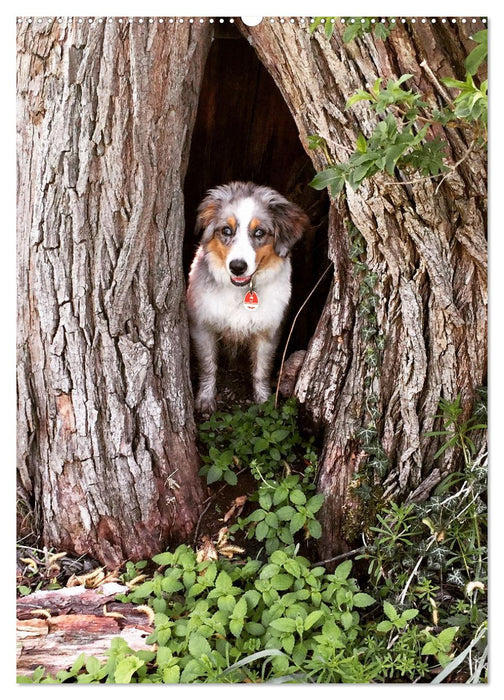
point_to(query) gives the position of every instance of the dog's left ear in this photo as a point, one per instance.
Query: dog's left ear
(205, 219)
(290, 224)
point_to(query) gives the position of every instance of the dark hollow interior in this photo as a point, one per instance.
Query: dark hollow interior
(244, 131)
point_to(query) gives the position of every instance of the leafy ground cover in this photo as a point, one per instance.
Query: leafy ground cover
(409, 607)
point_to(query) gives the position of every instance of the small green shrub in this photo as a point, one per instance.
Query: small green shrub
(263, 433)
(267, 440)
(433, 555)
(286, 508)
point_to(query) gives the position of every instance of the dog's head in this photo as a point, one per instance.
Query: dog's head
(248, 229)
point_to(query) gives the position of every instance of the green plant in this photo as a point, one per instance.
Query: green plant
(285, 509)
(355, 27)
(477, 665)
(285, 620)
(213, 618)
(264, 433)
(399, 654)
(405, 136)
(460, 499)
(397, 530)
(372, 470)
(433, 555)
(456, 431)
(266, 440)
(440, 645)
(133, 571)
(396, 621)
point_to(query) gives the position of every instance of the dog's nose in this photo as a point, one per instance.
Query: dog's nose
(237, 267)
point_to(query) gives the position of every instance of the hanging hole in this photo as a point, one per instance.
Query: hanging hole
(251, 21)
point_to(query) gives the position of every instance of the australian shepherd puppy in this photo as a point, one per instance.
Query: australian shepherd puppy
(239, 283)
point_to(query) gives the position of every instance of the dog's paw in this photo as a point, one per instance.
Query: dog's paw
(261, 394)
(205, 405)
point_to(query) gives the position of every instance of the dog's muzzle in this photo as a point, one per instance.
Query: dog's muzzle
(237, 268)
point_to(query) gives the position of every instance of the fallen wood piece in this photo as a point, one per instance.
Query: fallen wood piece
(78, 600)
(290, 371)
(70, 599)
(55, 644)
(55, 627)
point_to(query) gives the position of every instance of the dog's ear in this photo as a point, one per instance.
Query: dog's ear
(205, 218)
(290, 222)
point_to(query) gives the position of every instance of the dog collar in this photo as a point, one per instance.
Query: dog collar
(251, 300)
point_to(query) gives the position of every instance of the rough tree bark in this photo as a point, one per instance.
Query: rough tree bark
(106, 435)
(427, 246)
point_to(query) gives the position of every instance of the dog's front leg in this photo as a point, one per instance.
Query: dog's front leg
(205, 347)
(263, 351)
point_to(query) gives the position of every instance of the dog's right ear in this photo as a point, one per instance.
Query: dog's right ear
(205, 220)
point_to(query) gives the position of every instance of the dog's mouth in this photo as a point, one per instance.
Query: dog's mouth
(240, 281)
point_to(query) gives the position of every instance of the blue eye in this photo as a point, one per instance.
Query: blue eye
(259, 233)
(227, 231)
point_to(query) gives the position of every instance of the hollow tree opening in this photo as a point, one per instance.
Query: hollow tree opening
(245, 131)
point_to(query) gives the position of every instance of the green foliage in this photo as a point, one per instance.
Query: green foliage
(375, 467)
(286, 508)
(471, 103)
(416, 552)
(212, 619)
(283, 620)
(456, 432)
(396, 529)
(440, 645)
(328, 23)
(479, 54)
(267, 440)
(133, 570)
(477, 664)
(355, 27)
(359, 26)
(405, 137)
(263, 433)
(395, 620)
(420, 615)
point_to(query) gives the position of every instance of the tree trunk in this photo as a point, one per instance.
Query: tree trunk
(106, 435)
(427, 247)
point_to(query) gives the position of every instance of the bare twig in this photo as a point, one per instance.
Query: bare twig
(436, 82)
(455, 165)
(340, 557)
(292, 328)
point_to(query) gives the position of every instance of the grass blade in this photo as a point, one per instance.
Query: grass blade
(253, 657)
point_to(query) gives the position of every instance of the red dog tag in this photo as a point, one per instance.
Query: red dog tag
(251, 300)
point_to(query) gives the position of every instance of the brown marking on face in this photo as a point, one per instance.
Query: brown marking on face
(254, 223)
(231, 222)
(219, 250)
(266, 257)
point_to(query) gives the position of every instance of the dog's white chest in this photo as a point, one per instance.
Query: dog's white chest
(228, 309)
(224, 307)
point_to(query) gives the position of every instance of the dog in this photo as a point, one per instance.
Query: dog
(239, 283)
